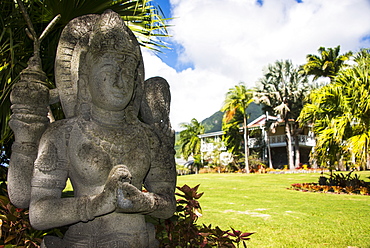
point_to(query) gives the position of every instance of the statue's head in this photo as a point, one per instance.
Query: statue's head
(106, 63)
(112, 59)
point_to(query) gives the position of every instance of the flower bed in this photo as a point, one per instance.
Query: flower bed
(286, 171)
(314, 187)
(336, 183)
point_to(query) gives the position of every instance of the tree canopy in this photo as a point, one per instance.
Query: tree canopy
(340, 114)
(189, 138)
(327, 64)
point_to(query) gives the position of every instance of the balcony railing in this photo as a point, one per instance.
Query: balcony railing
(275, 141)
(209, 147)
(279, 140)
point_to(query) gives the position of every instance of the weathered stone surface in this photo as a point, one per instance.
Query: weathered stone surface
(116, 139)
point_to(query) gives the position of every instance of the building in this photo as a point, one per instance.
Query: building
(270, 142)
(212, 146)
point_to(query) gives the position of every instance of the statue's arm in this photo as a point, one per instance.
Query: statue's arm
(161, 181)
(161, 178)
(49, 210)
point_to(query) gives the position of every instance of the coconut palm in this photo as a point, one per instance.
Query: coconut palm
(328, 64)
(232, 137)
(340, 112)
(282, 90)
(320, 111)
(189, 139)
(141, 16)
(236, 102)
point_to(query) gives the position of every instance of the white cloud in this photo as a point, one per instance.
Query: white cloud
(229, 41)
(194, 93)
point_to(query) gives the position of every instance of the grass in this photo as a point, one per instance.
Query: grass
(283, 218)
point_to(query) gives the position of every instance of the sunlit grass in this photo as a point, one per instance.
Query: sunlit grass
(281, 217)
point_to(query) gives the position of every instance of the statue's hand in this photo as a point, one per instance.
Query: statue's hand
(132, 200)
(119, 174)
(106, 201)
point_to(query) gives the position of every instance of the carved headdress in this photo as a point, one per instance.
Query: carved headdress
(95, 34)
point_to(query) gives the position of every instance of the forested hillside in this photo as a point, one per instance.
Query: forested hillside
(214, 122)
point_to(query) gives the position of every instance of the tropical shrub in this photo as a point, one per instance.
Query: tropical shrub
(15, 227)
(337, 183)
(181, 230)
(342, 180)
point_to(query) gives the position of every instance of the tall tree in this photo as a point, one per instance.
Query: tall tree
(141, 16)
(282, 90)
(327, 64)
(236, 102)
(340, 113)
(189, 139)
(232, 138)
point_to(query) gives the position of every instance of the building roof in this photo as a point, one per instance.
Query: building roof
(213, 134)
(261, 121)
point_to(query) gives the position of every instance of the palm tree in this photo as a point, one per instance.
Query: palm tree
(232, 137)
(320, 111)
(282, 90)
(190, 141)
(141, 16)
(236, 102)
(340, 112)
(328, 64)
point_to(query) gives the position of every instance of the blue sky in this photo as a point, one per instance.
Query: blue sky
(170, 56)
(219, 43)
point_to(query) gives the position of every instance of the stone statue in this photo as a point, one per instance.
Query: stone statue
(115, 140)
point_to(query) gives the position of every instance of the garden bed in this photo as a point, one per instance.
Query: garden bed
(296, 171)
(314, 187)
(337, 183)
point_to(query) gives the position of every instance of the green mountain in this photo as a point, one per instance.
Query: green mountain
(214, 122)
(254, 111)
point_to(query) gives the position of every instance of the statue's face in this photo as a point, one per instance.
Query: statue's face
(112, 83)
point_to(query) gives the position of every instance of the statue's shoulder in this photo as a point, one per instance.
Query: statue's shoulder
(147, 130)
(59, 129)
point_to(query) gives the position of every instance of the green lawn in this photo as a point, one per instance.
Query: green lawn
(283, 218)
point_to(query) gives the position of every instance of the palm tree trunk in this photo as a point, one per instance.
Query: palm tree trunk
(297, 153)
(246, 145)
(288, 138)
(268, 149)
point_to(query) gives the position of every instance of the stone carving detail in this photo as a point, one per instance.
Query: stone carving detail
(116, 138)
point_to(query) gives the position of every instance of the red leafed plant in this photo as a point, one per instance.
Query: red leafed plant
(15, 227)
(239, 236)
(181, 230)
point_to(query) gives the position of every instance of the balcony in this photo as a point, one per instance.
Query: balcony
(210, 147)
(279, 141)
